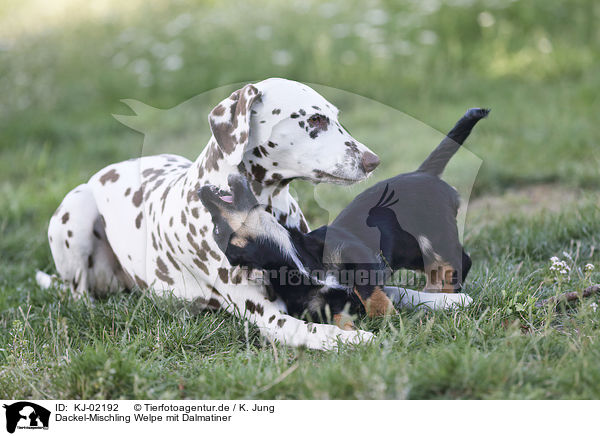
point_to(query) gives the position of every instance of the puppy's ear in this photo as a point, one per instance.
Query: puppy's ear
(243, 197)
(230, 123)
(222, 213)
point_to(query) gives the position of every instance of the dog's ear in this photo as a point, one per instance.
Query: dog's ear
(230, 123)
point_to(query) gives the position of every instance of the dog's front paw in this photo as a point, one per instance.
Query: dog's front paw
(356, 337)
(345, 337)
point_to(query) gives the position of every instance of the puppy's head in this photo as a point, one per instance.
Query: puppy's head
(245, 232)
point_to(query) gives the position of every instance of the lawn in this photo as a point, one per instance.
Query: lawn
(402, 72)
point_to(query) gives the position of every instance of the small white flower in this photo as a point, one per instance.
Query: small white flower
(141, 66)
(485, 19)
(119, 60)
(281, 58)
(589, 267)
(554, 259)
(564, 271)
(544, 45)
(264, 32)
(177, 25)
(329, 10)
(376, 17)
(173, 63)
(428, 37)
(594, 306)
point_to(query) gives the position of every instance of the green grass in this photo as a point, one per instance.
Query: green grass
(536, 66)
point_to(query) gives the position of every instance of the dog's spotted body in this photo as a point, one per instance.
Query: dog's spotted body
(140, 222)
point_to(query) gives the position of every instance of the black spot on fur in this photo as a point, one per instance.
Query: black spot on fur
(138, 220)
(250, 306)
(110, 176)
(223, 275)
(172, 260)
(258, 172)
(137, 197)
(65, 218)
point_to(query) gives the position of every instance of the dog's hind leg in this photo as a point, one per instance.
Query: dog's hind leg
(82, 254)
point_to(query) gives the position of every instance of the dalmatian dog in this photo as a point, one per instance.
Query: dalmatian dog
(141, 223)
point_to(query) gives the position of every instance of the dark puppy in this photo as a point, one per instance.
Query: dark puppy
(415, 216)
(408, 221)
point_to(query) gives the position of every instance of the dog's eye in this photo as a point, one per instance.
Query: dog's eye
(318, 121)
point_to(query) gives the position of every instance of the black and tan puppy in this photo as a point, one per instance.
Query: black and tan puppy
(407, 221)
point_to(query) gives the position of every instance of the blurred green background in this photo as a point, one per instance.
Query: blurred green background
(65, 64)
(402, 72)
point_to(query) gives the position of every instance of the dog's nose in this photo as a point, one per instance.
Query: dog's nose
(369, 161)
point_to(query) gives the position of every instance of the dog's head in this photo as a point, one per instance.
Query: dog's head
(279, 130)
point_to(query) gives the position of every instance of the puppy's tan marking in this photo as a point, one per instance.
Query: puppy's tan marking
(378, 304)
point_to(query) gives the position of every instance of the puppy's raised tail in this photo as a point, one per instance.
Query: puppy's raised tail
(438, 159)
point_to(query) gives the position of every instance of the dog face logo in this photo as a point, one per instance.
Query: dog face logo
(26, 415)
